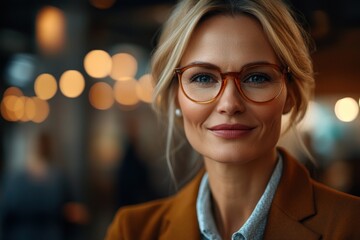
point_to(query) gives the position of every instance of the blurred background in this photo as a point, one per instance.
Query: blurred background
(78, 138)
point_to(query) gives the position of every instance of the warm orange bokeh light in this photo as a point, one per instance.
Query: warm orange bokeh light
(13, 91)
(20, 109)
(17, 107)
(124, 67)
(29, 109)
(42, 110)
(4, 112)
(144, 88)
(101, 96)
(45, 86)
(102, 4)
(97, 64)
(50, 29)
(72, 83)
(7, 106)
(125, 92)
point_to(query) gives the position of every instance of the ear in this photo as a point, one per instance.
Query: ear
(288, 104)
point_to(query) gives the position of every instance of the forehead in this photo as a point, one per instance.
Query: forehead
(229, 42)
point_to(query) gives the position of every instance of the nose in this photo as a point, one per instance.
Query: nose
(231, 101)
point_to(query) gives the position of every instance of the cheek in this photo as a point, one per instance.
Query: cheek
(194, 115)
(271, 116)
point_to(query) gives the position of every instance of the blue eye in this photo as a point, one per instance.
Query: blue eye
(203, 79)
(257, 78)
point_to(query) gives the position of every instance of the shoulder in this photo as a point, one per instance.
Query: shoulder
(337, 213)
(156, 218)
(143, 212)
(324, 197)
(334, 201)
(131, 221)
(332, 214)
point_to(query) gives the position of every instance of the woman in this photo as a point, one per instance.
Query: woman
(227, 71)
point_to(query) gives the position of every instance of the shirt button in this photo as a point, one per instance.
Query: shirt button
(238, 236)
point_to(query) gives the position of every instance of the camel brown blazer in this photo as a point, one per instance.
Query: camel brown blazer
(301, 209)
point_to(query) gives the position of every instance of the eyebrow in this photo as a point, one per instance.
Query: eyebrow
(216, 66)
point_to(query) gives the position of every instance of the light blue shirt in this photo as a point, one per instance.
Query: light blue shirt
(254, 227)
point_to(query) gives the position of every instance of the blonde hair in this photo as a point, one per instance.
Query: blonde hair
(287, 37)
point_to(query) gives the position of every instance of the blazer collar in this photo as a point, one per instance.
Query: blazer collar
(293, 202)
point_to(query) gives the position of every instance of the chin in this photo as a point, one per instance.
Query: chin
(226, 158)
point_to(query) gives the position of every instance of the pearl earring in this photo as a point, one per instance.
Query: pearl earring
(178, 112)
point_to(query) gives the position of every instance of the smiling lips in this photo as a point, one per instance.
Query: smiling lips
(230, 131)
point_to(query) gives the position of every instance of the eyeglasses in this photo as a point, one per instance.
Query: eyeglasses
(204, 83)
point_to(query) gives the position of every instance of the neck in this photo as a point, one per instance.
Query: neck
(236, 189)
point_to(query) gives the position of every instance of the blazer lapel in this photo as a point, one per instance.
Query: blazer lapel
(282, 227)
(293, 203)
(181, 220)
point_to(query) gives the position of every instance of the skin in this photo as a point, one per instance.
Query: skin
(239, 167)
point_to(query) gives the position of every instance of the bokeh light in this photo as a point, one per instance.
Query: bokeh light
(10, 97)
(4, 112)
(50, 29)
(125, 92)
(144, 88)
(19, 109)
(102, 4)
(72, 83)
(13, 91)
(21, 69)
(101, 96)
(124, 67)
(7, 104)
(42, 110)
(45, 86)
(97, 64)
(25, 109)
(346, 109)
(29, 109)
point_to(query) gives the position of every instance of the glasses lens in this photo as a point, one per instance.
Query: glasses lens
(261, 83)
(201, 83)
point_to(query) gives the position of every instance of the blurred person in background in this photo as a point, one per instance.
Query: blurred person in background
(338, 175)
(225, 72)
(37, 203)
(341, 174)
(133, 184)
